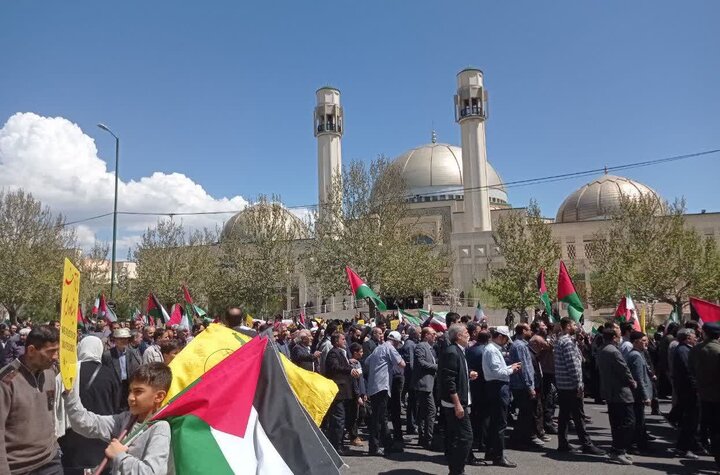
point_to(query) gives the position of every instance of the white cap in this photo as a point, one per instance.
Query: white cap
(121, 333)
(394, 335)
(503, 330)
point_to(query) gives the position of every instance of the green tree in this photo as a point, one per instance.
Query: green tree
(258, 258)
(33, 244)
(649, 250)
(525, 242)
(168, 256)
(366, 224)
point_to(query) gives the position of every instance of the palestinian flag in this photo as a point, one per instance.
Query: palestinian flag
(703, 311)
(626, 312)
(544, 297)
(361, 290)
(479, 313)
(673, 317)
(301, 317)
(155, 310)
(566, 293)
(407, 318)
(242, 417)
(179, 317)
(104, 311)
(80, 318)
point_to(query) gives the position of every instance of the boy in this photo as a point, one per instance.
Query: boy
(148, 447)
(359, 396)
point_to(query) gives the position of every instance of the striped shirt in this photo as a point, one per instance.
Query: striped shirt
(568, 364)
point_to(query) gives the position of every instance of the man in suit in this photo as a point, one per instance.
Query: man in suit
(123, 360)
(704, 362)
(643, 393)
(423, 378)
(455, 398)
(407, 351)
(685, 386)
(338, 368)
(616, 388)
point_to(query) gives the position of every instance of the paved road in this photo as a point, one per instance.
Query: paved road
(417, 461)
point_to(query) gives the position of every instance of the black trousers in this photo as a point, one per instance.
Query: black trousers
(641, 439)
(479, 416)
(396, 406)
(378, 420)
(549, 399)
(351, 417)
(498, 401)
(459, 439)
(524, 427)
(571, 408)
(336, 422)
(687, 410)
(426, 414)
(538, 407)
(710, 415)
(622, 425)
(411, 417)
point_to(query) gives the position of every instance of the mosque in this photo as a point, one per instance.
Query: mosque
(456, 196)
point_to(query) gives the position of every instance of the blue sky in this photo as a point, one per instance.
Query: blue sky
(223, 91)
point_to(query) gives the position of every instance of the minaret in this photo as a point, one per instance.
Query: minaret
(328, 130)
(470, 113)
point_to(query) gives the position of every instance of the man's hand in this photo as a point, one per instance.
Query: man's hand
(114, 449)
(515, 367)
(317, 354)
(355, 373)
(581, 393)
(473, 375)
(647, 402)
(533, 395)
(459, 411)
(360, 401)
(633, 384)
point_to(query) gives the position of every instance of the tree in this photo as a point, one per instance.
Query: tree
(168, 256)
(525, 242)
(94, 272)
(33, 244)
(649, 250)
(366, 224)
(257, 259)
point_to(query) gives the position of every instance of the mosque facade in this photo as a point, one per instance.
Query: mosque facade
(456, 196)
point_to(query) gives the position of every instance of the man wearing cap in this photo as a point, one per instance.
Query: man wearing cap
(123, 360)
(685, 387)
(497, 377)
(381, 365)
(705, 363)
(644, 391)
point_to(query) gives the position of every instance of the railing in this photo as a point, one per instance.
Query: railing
(332, 306)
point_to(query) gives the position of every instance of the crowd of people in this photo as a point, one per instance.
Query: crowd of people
(458, 388)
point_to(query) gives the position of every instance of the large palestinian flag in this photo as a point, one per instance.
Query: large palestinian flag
(156, 310)
(361, 290)
(241, 417)
(544, 297)
(703, 311)
(627, 313)
(566, 293)
(104, 311)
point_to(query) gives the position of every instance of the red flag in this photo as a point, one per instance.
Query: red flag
(186, 294)
(704, 311)
(80, 317)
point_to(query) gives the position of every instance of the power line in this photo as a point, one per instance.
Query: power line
(510, 184)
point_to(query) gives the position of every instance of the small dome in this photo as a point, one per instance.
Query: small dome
(437, 167)
(600, 198)
(254, 221)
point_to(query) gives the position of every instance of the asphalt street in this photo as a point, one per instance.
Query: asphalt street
(417, 461)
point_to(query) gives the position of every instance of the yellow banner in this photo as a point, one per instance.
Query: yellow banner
(68, 324)
(642, 316)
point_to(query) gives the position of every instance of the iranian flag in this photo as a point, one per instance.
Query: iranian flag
(434, 320)
(626, 312)
(361, 290)
(479, 313)
(80, 317)
(155, 310)
(104, 311)
(566, 293)
(544, 297)
(703, 311)
(408, 318)
(96, 305)
(241, 417)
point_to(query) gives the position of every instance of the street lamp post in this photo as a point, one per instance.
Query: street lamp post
(114, 238)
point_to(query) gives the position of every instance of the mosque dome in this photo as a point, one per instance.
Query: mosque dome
(435, 168)
(599, 198)
(256, 220)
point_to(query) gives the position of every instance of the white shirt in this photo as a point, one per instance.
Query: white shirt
(494, 366)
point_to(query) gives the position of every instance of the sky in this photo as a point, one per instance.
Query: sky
(213, 101)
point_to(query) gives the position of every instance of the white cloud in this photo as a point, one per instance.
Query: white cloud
(54, 160)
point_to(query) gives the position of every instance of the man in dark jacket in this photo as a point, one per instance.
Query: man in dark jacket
(123, 360)
(643, 393)
(301, 355)
(616, 388)
(407, 351)
(338, 368)
(685, 387)
(423, 379)
(704, 364)
(455, 398)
